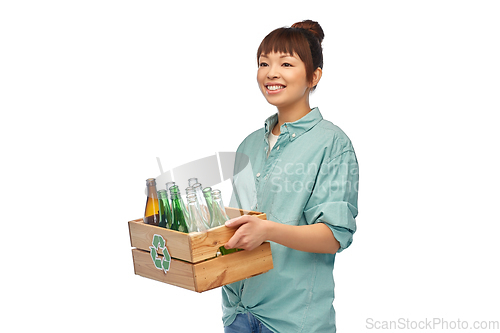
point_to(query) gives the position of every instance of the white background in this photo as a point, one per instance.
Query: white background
(92, 91)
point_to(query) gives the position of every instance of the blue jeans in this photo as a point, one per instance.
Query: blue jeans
(246, 323)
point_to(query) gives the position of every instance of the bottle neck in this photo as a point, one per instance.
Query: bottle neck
(162, 194)
(152, 192)
(191, 199)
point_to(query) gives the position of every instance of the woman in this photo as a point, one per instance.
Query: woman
(304, 176)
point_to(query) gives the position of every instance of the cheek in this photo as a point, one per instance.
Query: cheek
(260, 76)
(300, 81)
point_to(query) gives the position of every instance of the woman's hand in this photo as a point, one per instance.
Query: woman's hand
(251, 232)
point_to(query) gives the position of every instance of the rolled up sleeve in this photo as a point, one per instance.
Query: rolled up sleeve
(334, 198)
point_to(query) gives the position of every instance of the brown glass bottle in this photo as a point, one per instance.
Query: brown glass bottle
(152, 210)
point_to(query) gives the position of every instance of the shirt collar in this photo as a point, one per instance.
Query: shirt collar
(298, 127)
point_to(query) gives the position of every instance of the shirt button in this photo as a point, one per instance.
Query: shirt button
(278, 148)
(293, 135)
(258, 175)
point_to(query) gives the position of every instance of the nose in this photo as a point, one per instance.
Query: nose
(273, 73)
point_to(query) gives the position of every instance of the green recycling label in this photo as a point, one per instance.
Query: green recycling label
(159, 243)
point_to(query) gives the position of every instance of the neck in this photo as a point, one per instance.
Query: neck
(289, 115)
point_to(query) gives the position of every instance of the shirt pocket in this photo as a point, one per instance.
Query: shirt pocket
(290, 188)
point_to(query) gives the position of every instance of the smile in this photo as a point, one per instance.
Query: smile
(274, 89)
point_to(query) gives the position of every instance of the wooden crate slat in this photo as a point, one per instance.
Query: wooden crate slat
(232, 267)
(180, 273)
(236, 212)
(178, 243)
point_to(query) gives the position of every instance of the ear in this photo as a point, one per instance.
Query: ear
(316, 77)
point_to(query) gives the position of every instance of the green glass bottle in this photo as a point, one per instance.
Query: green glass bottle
(178, 218)
(165, 210)
(167, 186)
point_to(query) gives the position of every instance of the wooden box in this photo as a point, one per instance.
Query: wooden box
(193, 263)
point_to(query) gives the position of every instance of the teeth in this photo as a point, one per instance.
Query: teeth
(275, 87)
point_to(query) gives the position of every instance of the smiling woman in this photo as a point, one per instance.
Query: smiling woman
(311, 215)
(290, 66)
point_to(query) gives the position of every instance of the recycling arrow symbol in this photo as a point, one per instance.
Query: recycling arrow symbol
(160, 263)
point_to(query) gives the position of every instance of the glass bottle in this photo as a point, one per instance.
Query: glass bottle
(201, 201)
(165, 210)
(218, 209)
(220, 216)
(207, 193)
(190, 189)
(151, 212)
(196, 221)
(178, 218)
(192, 181)
(168, 185)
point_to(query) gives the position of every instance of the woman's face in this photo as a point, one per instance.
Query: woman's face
(282, 80)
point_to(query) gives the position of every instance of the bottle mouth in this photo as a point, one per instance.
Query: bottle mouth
(174, 189)
(191, 197)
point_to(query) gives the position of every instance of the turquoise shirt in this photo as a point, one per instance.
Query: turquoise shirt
(310, 176)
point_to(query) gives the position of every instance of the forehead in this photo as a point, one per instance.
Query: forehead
(278, 55)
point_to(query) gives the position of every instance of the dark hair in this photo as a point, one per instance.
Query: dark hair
(302, 38)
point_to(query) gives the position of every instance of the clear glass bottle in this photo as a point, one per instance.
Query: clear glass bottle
(190, 189)
(201, 201)
(192, 181)
(178, 218)
(220, 216)
(207, 193)
(165, 210)
(218, 208)
(196, 221)
(152, 210)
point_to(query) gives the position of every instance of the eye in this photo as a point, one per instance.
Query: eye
(262, 64)
(286, 64)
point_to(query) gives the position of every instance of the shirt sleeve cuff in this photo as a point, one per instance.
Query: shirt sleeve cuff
(339, 217)
(342, 235)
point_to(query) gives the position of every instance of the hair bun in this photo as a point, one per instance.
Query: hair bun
(312, 27)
